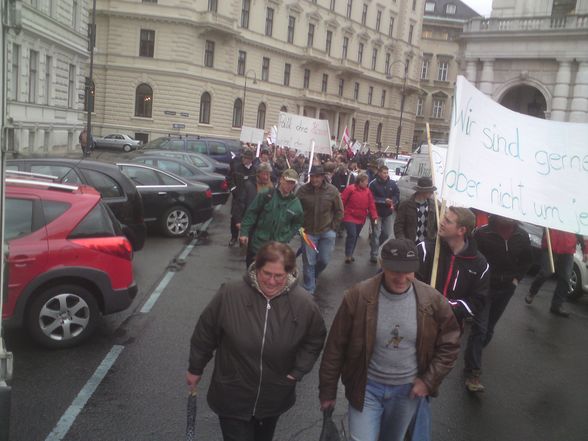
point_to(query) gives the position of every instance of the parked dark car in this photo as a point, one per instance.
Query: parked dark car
(117, 191)
(199, 160)
(68, 261)
(218, 183)
(170, 202)
(222, 150)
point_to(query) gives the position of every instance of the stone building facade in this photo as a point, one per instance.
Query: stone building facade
(208, 67)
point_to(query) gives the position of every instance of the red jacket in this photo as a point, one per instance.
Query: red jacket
(561, 242)
(358, 202)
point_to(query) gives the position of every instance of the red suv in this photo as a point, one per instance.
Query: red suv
(68, 261)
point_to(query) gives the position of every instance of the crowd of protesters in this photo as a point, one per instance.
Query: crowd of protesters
(395, 335)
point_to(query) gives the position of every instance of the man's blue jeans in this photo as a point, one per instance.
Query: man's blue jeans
(312, 263)
(388, 413)
(381, 231)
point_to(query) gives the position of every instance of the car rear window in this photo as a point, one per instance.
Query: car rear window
(53, 209)
(66, 175)
(217, 148)
(197, 146)
(141, 176)
(19, 218)
(97, 223)
(107, 186)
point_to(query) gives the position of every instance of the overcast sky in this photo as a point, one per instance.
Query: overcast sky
(482, 7)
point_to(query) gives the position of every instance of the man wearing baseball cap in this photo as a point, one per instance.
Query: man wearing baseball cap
(274, 215)
(392, 342)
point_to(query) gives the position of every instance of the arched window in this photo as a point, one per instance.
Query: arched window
(90, 94)
(144, 101)
(205, 108)
(379, 134)
(238, 113)
(283, 109)
(261, 116)
(366, 131)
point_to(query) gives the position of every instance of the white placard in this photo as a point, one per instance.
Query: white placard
(298, 132)
(251, 135)
(514, 165)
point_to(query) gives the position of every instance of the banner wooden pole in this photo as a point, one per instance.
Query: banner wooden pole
(549, 251)
(311, 158)
(258, 148)
(438, 215)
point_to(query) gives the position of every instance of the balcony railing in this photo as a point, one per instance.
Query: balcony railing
(514, 24)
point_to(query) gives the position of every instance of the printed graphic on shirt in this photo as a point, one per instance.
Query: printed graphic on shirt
(396, 338)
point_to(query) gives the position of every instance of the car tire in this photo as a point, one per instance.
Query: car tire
(62, 316)
(176, 222)
(127, 148)
(575, 285)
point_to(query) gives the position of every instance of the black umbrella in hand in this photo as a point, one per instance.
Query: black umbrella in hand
(191, 424)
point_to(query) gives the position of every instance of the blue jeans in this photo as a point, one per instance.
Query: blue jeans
(353, 231)
(564, 265)
(388, 413)
(312, 263)
(383, 230)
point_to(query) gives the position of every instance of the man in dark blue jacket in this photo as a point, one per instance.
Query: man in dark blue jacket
(387, 195)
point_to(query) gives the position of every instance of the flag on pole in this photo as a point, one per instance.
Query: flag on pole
(346, 139)
(307, 240)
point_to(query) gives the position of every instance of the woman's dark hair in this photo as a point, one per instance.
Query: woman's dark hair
(276, 252)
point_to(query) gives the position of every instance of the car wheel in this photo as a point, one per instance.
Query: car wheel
(62, 316)
(177, 222)
(126, 148)
(575, 285)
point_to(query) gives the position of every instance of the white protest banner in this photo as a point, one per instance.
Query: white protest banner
(514, 165)
(298, 132)
(251, 135)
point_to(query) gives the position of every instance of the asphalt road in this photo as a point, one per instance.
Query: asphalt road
(534, 369)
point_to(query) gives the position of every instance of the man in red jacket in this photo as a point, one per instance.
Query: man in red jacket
(563, 246)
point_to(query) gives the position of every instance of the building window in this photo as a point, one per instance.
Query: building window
(345, 47)
(245, 7)
(147, 45)
(325, 83)
(366, 131)
(374, 58)
(420, 106)
(74, 14)
(430, 7)
(238, 113)
(364, 14)
(306, 83)
(205, 103)
(410, 32)
(310, 39)
(90, 93)
(48, 68)
(241, 63)
(341, 86)
(332, 7)
(383, 99)
(387, 63)
(269, 22)
(261, 116)
(291, 24)
(370, 94)
(360, 53)
(356, 91)
(352, 128)
(349, 8)
(265, 69)
(378, 20)
(391, 27)
(450, 9)
(33, 75)
(438, 106)
(329, 42)
(71, 86)
(425, 69)
(144, 101)
(414, 2)
(442, 72)
(213, 5)
(15, 71)
(287, 69)
(379, 135)
(209, 53)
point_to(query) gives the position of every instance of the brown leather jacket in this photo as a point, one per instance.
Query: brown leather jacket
(352, 336)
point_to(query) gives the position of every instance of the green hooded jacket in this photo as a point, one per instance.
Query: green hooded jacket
(272, 216)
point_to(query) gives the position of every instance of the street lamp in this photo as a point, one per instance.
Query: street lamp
(245, 93)
(389, 77)
(90, 82)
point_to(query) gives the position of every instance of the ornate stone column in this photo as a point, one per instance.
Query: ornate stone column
(487, 79)
(561, 91)
(579, 106)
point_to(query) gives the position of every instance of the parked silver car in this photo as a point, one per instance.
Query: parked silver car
(117, 141)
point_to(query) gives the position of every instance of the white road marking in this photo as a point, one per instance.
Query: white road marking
(157, 292)
(68, 418)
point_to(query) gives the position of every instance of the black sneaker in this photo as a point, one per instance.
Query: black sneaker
(232, 242)
(559, 312)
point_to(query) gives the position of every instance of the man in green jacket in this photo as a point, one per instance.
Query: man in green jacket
(274, 214)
